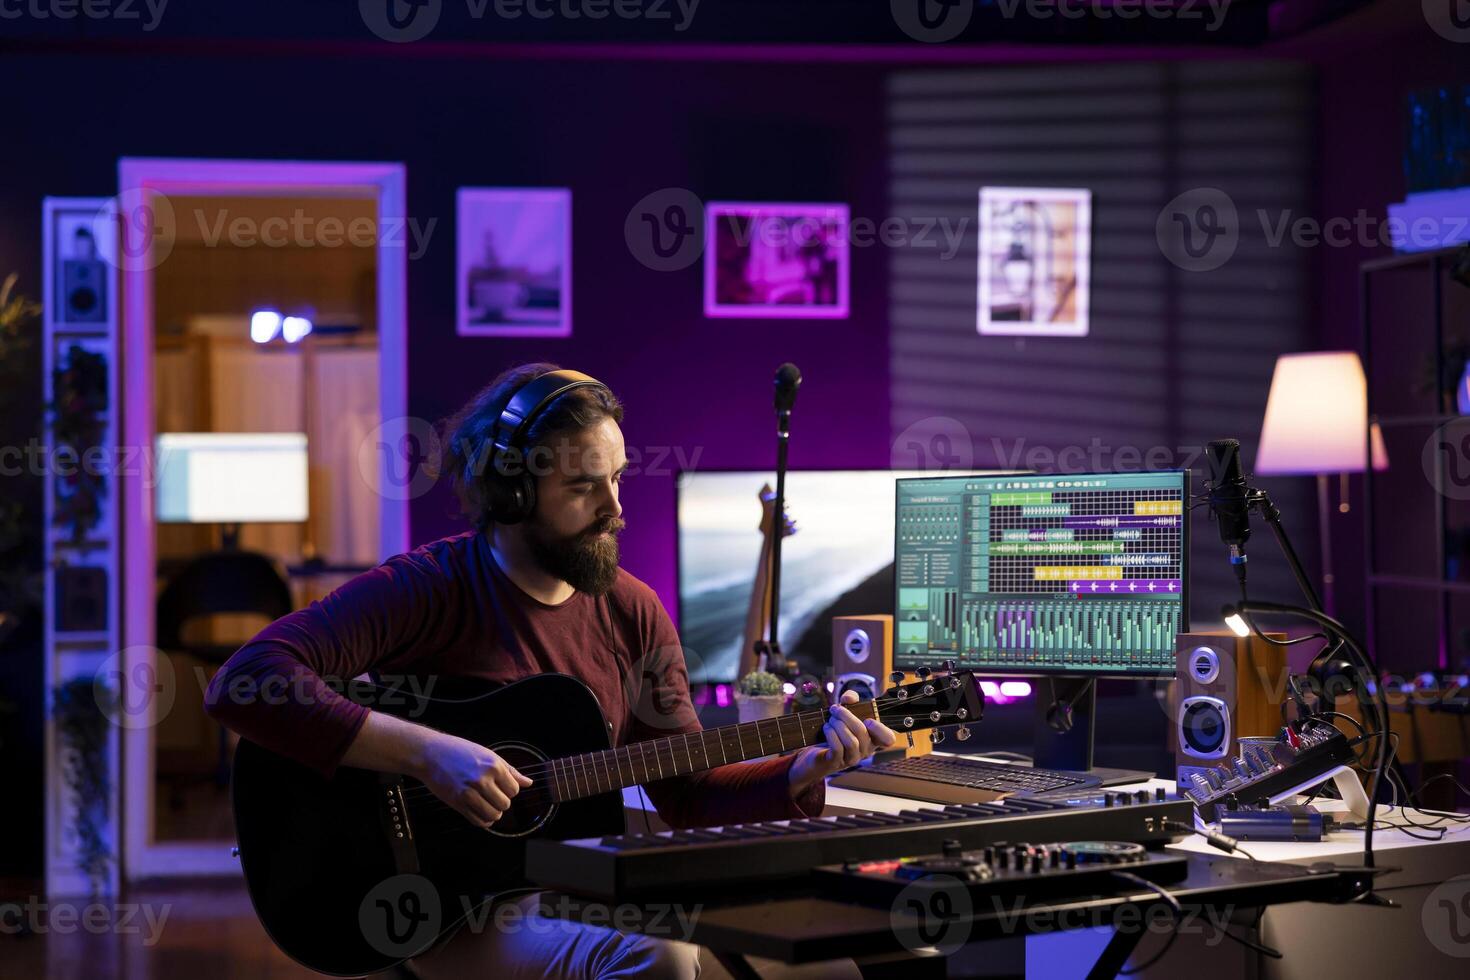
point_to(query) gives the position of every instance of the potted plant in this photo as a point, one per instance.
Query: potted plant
(22, 590)
(759, 695)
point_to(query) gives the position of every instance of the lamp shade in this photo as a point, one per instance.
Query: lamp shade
(1317, 417)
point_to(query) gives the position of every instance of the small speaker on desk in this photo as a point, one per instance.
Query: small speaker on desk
(1226, 688)
(862, 660)
(862, 653)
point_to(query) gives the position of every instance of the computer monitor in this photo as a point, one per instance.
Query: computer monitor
(839, 563)
(1070, 577)
(231, 477)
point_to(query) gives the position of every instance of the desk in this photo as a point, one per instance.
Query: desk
(1316, 939)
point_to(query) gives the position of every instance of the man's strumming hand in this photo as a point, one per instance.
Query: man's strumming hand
(469, 777)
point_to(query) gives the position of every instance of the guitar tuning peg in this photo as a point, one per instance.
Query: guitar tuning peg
(923, 673)
(896, 677)
(963, 733)
(947, 666)
(936, 736)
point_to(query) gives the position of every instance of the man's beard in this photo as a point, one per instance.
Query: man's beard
(584, 561)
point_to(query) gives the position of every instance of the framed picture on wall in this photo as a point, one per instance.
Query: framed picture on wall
(776, 260)
(514, 261)
(1035, 261)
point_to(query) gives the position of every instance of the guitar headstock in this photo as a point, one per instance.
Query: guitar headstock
(942, 696)
(768, 513)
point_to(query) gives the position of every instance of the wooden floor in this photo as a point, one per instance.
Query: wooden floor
(209, 932)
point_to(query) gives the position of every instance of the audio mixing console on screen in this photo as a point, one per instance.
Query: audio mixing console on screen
(1026, 574)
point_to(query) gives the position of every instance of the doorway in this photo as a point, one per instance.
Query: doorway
(254, 350)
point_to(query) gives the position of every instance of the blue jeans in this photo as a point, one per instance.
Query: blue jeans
(515, 943)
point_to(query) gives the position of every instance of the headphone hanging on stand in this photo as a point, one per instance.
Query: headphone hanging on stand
(510, 485)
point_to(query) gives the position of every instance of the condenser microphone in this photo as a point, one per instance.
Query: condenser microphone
(1230, 500)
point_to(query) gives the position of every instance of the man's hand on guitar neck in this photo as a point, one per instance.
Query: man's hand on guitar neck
(469, 777)
(850, 740)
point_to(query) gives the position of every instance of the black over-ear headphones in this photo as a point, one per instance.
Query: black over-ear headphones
(511, 485)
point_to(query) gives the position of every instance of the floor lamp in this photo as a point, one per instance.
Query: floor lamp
(1316, 425)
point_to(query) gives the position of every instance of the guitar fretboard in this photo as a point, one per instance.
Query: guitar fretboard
(585, 775)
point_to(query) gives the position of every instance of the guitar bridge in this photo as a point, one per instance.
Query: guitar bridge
(393, 817)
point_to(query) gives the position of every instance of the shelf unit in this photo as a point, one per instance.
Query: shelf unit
(89, 651)
(1435, 264)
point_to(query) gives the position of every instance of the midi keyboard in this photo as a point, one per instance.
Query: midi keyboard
(626, 865)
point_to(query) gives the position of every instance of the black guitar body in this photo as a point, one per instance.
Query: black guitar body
(332, 881)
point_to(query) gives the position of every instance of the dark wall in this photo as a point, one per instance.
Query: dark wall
(1175, 357)
(695, 389)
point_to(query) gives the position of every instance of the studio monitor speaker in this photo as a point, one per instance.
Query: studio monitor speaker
(862, 659)
(1226, 688)
(862, 653)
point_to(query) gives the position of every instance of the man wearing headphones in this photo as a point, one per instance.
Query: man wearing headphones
(536, 458)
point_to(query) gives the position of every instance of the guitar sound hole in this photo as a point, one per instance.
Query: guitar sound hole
(532, 806)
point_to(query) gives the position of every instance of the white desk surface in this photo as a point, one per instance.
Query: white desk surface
(1340, 846)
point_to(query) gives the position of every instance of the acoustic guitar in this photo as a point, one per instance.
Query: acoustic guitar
(357, 873)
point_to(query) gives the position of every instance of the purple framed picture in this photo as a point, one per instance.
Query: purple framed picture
(514, 250)
(776, 260)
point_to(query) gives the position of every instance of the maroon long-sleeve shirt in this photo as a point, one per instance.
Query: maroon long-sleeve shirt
(448, 609)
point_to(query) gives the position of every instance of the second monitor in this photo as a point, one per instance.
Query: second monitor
(1081, 574)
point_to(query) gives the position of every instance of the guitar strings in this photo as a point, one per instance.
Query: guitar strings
(426, 803)
(577, 769)
(565, 764)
